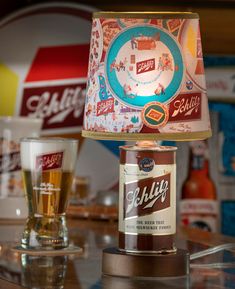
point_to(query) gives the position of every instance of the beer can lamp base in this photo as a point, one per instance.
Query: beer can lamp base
(118, 263)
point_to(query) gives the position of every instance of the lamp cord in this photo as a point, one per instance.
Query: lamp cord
(213, 250)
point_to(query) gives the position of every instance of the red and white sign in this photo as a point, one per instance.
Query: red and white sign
(105, 106)
(56, 95)
(47, 79)
(49, 161)
(186, 106)
(145, 66)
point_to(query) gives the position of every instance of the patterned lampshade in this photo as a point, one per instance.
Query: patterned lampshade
(146, 78)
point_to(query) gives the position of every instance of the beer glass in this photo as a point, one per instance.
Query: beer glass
(47, 166)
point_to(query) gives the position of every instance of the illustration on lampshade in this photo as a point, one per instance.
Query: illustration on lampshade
(146, 77)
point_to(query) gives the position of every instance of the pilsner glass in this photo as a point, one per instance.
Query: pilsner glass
(48, 167)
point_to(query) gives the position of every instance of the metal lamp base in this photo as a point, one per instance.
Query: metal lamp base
(118, 263)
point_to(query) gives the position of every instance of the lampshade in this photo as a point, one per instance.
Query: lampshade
(146, 78)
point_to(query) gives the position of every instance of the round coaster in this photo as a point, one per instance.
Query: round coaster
(70, 250)
(118, 263)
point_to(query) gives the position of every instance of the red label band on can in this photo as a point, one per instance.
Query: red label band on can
(147, 199)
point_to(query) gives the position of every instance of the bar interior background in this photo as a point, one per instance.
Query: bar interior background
(217, 24)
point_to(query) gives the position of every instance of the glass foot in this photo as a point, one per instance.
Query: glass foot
(45, 232)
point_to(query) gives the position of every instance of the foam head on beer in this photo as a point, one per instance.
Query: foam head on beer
(48, 154)
(146, 78)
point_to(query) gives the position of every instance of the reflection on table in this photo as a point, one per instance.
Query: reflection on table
(85, 271)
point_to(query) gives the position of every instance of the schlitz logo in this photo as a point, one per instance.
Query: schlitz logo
(146, 196)
(154, 114)
(105, 106)
(49, 161)
(10, 162)
(54, 87)
(145, 66)
(59, 106)
(186, 107)
(173, 24)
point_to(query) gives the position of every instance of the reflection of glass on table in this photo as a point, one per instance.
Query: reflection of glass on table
(43, 272)
(80, 190)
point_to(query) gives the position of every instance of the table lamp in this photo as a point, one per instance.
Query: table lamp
(146, 84)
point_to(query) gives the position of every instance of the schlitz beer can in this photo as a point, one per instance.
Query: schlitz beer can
(147, 200)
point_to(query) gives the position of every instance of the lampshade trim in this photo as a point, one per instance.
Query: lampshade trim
(145, 14)
(199, 135)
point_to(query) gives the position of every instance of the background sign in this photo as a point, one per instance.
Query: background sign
(43, 64)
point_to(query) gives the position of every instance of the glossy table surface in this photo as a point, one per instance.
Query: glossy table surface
(20, 271)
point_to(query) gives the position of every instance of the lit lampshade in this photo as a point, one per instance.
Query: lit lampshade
(146, 78)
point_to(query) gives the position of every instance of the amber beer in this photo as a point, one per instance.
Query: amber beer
(198, 206)
(48, 200)
(47, 166)
(147, 209)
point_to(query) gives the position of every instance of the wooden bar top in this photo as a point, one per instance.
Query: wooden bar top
(23, 271)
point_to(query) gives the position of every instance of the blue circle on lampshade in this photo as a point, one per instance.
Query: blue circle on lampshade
(138, 101)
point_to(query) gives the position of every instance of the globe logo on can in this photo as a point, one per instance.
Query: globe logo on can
(146, 164)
